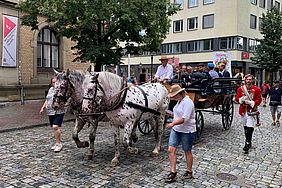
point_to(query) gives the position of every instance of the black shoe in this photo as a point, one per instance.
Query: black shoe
(246, 148)
(188, 175)
(171, 177)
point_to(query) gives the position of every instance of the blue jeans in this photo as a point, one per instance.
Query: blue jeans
(186, 140)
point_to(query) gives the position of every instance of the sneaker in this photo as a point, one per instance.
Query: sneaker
(188, 175)
(264, 105)
(58, 148)
(246, 148)
(278, 123)
(171, 177)
(53, 147)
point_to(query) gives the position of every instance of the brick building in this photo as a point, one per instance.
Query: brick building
(32, 58)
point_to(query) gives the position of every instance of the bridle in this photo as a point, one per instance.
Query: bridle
(101, 106)
(92, 100)
(65, 95)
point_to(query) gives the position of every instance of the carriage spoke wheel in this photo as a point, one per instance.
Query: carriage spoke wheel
(199, 126)
(227, 112)
(144, 127)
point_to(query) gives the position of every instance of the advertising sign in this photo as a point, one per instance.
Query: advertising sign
(9, 52)
(223, 58)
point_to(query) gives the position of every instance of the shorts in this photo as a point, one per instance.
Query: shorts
(274, 109)
(186, 140)
(249, 121)
(56, 119)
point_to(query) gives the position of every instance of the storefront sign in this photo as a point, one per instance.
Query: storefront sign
(9, 52)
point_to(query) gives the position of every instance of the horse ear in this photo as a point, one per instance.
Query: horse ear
(55, 72)
(89, 68)
(68, 72)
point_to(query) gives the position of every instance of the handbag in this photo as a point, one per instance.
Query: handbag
(255, 113)
(274, 103)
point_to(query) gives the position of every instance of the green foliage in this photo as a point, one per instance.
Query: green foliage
(98, 26)
(268, 53)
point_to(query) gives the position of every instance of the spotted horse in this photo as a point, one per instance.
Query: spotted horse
(125, 106)
(69, 93)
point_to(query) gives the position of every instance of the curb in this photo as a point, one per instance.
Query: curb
(29, 126)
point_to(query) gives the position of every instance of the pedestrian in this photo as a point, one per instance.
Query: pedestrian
(265, 87)
(55, 117)
(164, 72)
(183, 128)
(223, 72)
(143, 76)
(275, 94)
(249, 98)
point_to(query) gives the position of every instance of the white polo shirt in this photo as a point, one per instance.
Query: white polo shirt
(164, 72)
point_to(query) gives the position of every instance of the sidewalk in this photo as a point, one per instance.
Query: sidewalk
(14, 116)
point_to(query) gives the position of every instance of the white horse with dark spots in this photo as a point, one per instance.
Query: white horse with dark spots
(69, 93)
(126, 106)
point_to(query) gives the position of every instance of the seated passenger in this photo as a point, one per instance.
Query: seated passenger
(213, 75)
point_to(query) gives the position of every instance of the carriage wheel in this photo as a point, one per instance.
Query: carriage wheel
(199, 126)
(144, 127)
(227, 112)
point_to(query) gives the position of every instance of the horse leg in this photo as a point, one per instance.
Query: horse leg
(79, 123)
(133, 134)
(92, 136)
(115, 160)
(158, 132)
(127, 137)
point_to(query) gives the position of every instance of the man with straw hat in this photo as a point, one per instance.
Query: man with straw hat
(164, 71)
(183, 128)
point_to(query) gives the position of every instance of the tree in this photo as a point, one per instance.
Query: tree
(98, 26)
(268, 53)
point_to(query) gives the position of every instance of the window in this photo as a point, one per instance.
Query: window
(192, 23)
(193, 46)
(252, 45)
(277, 5)
(192, 3)
(240, 45)
(269, 4)
(208, 21)
(179, 2)
(178, 26)
(254, 2)
(260, 24)
(253, 22)
(262, 3)
(172, 48)
(227, 43)
(47, 49)
(208, 2)
(206, 45)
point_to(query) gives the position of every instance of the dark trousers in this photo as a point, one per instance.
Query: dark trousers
(248, 134)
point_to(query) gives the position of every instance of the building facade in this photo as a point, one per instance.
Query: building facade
(204, 27)
(29, 56)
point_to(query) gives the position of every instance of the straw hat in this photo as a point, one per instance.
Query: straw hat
(174, 90)
(164, 57)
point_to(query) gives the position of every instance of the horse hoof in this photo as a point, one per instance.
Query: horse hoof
(134, 139)
(133, 151)
(86, 144)
(114, 162)
(88, 157)
(155, 154)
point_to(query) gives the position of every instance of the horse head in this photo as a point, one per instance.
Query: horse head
(93, 94)
(64, 90)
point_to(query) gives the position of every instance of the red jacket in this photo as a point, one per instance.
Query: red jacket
(255, 94)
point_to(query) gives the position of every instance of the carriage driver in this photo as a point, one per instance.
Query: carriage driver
(249, 98)
(165, 71)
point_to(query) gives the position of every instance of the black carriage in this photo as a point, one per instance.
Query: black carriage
(215, 97)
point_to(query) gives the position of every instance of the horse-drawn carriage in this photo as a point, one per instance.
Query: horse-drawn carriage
(215, 97)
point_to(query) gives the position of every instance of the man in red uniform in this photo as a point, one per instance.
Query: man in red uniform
(249, 98)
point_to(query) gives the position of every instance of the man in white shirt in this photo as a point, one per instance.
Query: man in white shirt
(165, 71)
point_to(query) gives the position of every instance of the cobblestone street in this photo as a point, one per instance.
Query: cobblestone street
(26, 159)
